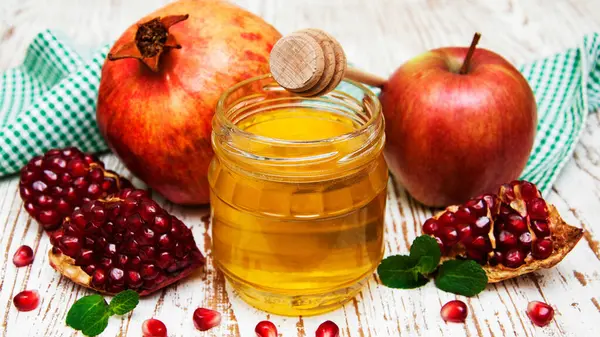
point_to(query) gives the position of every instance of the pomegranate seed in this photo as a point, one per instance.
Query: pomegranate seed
(447, 219)
(505, 211)
(328, 329)
(507, 192)
(265, 329)
(482, 225)
(23, 256)
(154, 328)
(480, 243)
(507, 239)
(454, 311)
(540, 313)
(478, 207)
(540, 228)
(206, 319)
(27, 300)
(525, 241)
(449, 236)
(496, 258)
(528, 190)
(464, 215)
(490, 200)
(542, 249)
(440, 244)
(538, 209)
(515, 223)
(514, 258)
(464, 233)
(476, 255)
(431, 227)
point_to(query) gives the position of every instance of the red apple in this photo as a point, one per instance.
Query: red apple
(459, 123)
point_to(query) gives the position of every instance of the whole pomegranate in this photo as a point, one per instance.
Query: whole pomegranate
(510, 233)
(161, 82)
(459, 122)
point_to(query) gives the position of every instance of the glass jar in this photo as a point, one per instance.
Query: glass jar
(298, 194)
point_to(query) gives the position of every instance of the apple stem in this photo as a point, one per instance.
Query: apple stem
(465, 66)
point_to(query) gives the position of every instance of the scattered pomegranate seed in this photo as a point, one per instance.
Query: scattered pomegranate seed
(206, 319)
(540, 313)
(454, 311)
(265, 329)
(328, 329)
(23, 256)
(27, 300)
(154, 328)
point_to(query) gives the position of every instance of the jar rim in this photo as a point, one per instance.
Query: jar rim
(221, 110)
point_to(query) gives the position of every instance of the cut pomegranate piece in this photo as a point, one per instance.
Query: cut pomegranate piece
(154, 328)
(328, 329)
(52, 185)
(27, 300)
(540, 313)
(110, 245)
(454, 311)
(23, 256)
(265, 329)
(206, 319)
(512, 233)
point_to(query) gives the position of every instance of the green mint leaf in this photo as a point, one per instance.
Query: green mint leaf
(124, 302)
(400, 271)
(425, 249)
(92, 304)
(95, 322)
(462, 277)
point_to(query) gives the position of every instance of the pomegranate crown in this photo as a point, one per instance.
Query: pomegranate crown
(151, 40)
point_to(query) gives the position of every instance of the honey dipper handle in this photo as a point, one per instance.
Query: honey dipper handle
(364, 77)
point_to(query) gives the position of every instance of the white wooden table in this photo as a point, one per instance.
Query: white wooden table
(378, 35)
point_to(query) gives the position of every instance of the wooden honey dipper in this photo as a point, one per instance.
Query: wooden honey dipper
(311, 63)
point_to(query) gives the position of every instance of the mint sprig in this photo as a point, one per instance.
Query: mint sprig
(408, 272)
(124, 302)
(426, 250)
(462, 277)
(90, 314)
(401, 271)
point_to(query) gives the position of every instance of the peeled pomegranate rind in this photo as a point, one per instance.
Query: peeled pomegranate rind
(564, 236)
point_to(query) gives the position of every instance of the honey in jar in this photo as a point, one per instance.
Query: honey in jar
(298, 195)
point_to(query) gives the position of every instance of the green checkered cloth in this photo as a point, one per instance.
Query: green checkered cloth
(50, 101)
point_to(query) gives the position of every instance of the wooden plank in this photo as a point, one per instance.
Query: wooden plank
(378, 36)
